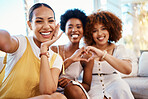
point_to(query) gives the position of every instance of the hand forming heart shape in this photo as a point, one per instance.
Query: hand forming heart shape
(86, 54)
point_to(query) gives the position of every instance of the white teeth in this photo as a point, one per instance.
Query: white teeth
(45, 33)
(101, 38)
(74, 36)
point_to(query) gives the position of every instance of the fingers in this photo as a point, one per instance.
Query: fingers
(63, 82)
(81, 51)
(89, 48)
(53, 40)
(56, 30)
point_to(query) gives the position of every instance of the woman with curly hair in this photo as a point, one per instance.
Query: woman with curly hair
(73, 23)
(103, 30)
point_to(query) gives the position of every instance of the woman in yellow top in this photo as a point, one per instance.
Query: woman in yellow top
(27, 71)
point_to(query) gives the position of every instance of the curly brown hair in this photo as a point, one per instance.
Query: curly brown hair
(112, 23)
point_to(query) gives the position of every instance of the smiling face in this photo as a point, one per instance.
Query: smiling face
(100, 34)
(42, 24)
(74, 30)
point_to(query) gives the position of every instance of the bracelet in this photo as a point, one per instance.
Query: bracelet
(44, 53)
(105, 52)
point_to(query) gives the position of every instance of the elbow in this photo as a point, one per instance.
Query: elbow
(87, 87)
(129, 70)
(47, 91)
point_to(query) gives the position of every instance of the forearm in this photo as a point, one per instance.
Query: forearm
(86, 86)
(87, 74)
(67, 62)
(120, 65)
(47, 83)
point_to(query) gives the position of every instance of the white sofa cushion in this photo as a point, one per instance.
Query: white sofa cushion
(143, 64)
(139, 86)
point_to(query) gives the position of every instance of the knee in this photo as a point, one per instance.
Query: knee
(57, 95)
(60, 96)
(74, 92)
(44, 97)
(53, 96)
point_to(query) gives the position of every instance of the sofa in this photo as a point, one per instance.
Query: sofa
(138, 79)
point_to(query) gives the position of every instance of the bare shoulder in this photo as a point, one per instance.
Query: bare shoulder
(112, 46)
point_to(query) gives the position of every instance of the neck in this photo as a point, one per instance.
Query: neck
(102, 47)
(37, 42)
(72, 46)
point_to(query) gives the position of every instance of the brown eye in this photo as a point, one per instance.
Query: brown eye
(51, 21)
(69, 27)
(38, 21)
(104, 28)
(78, 27)
(94, 31)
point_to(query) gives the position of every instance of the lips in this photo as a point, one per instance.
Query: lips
(101, 38)
(47, 33)
(74, 35)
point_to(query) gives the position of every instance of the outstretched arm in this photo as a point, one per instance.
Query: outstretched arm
(8, 43)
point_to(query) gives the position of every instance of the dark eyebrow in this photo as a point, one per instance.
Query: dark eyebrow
(78, 24)
(103, 27)
(72, 25)
(42, 18)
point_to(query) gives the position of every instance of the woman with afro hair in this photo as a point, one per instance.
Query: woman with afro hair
(73, 23)
(103, 29)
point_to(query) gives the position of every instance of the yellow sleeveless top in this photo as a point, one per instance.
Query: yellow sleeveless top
(23, 80)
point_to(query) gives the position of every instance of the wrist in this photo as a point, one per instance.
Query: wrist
(43, 48)
(104, 54)
(44, 53)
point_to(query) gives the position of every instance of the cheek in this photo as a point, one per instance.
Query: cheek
(82, 31)
(94, 35)
(67, 31)
(35, 27)
(53, 26)
(107, 34)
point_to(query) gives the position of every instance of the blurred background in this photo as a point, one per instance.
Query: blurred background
(133, 13)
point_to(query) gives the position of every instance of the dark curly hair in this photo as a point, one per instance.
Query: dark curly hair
(72, 13)
(112, 23)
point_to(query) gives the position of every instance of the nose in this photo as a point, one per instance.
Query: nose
(74, 29)
(46, 25)
(99, 33)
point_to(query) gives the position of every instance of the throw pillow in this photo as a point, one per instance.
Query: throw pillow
(143, 64)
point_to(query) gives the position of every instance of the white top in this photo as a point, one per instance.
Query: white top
(12, 58)
(73, 71)
(110, 85)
